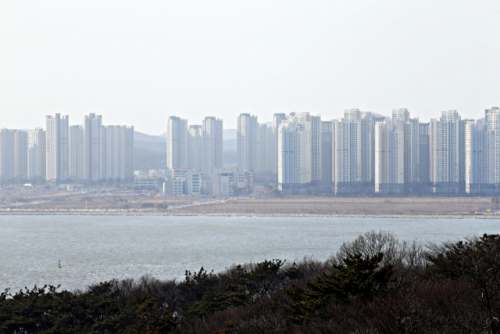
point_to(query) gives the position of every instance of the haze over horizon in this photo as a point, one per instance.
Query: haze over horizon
(138, 63)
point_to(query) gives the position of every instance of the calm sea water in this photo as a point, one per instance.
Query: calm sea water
(94, 249)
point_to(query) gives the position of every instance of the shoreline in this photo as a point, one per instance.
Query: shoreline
(236, 214)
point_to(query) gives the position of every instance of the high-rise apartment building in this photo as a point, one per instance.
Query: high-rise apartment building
(265, 148)
(76, 163)
(247, 141)
(36, 154)
(316, 131)
(94, 148)
(56, 153)
(347, 151)
(423, 152)
(479, 158)
(326, 152)
(353, 149)
(177, 142)
(294, 155)
(493, 125)
(6, 154)
(314, 137)
(368, 121)
(390, 157)
(412, 150)
(20, 154)
(411, 143)
(119, 152)
(277, 119)
(212, 146)
(195, 147)
(445, 152)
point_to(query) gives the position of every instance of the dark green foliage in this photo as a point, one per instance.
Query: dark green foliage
(98, 310)
(357, 278)
(162, 206)
(147, 205)
(477, 261)
(209, 292)
(146, 306)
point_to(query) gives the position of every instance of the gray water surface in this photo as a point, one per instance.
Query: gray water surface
(93, 249)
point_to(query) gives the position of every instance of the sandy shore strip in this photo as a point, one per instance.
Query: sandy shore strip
(16, 212)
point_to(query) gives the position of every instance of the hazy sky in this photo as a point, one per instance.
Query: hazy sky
(138, 62)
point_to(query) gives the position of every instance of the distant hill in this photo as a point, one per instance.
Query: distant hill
(228, 134)
(145, 137)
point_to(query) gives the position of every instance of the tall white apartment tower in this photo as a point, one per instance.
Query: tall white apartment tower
(177, 142)
(445, 152)
(493, 125)
(479, 157)
(119, 149)
(423, 152)
(114, 149)
(247, 141)
(195, 147)
(277, 119)
(368, 121)
(56, 152)
(326, 152)
(76, 164)
(347, 150)
(411, 140)
(20, 154)
(294, 155)
(316, 131)
(6, 154)
(36, 154)
(212, 145)
(389, 157)
(94, 163)
(265, 146)
(313, 124)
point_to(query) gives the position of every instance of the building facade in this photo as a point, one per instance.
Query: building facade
(6, 154)
(195, 147)
(94, 148)
(36, 154)
(177, 142)
(212, 145)
(20, 154)
(57, 153)
(247, 141)
(76, 164)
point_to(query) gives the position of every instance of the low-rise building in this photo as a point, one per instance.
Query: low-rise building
(145, 183)
(232, 182)
(185, 181)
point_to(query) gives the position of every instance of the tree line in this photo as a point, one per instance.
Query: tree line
(373, 284)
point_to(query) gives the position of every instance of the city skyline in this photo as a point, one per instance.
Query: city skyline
(360, 153)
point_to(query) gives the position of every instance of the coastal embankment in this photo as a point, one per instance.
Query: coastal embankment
(118, 212)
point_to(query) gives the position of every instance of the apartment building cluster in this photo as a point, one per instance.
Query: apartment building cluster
(91, 151)
(366, 153)
(194, 160)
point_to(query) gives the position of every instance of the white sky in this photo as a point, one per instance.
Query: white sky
(137, 62)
